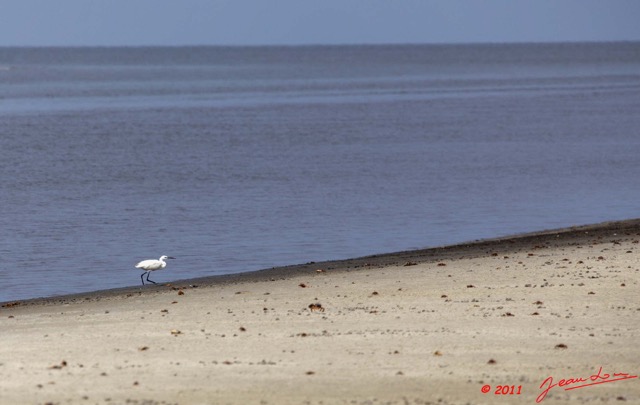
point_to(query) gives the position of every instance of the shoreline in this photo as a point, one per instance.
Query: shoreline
(445, 326)
(376, 260)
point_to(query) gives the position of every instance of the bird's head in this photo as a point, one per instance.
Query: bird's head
(163, 257)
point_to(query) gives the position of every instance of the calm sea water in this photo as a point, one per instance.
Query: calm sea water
(238, 159)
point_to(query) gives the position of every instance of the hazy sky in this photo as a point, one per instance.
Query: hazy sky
(257, 22)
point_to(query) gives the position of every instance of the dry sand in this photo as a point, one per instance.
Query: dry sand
(423, 327)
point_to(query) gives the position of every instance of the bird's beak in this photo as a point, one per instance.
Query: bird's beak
(170, 257)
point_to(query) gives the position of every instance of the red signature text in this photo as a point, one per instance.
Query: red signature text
(581, 382)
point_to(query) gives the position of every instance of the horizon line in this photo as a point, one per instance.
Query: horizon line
(319, 44)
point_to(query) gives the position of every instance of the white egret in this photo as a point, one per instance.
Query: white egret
(151, 265)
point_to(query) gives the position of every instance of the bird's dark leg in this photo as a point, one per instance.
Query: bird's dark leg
(142, 275)
(148, 273)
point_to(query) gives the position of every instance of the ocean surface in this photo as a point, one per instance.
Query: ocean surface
(240, 159)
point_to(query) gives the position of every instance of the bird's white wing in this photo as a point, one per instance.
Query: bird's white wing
(149, 264)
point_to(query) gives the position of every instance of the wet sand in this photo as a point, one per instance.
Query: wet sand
(424, 327)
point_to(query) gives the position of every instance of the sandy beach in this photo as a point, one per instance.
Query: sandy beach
(551, 317)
